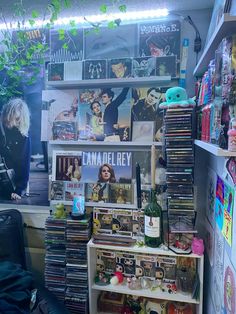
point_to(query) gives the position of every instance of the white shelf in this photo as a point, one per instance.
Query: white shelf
(138, 249)
(156, 294)
(112, 82)
(102, 143)
(225, 27)
(214, 149)
(96, 204)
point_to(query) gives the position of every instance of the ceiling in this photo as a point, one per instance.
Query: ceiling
(88, 7)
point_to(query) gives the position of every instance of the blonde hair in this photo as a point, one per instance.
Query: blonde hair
(15, 113)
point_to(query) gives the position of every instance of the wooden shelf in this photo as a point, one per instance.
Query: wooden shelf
(102, 143)
(140, 249)
(214, 149)
(156, 294)
(141, 81)
(225, 27)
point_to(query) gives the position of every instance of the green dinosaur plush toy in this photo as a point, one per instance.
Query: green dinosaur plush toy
(177, 97)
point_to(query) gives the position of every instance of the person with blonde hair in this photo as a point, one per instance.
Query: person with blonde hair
(15, 144)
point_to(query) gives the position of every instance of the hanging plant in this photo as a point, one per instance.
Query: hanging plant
(25, 45)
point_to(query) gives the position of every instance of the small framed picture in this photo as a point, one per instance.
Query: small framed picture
(166, 66)
(95, 69)
(120, 68)
(56, 71)
(143, 131)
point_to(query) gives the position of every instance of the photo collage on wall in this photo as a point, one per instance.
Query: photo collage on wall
(108, 114)
(101, 177)
(135, 50)
(85, 55)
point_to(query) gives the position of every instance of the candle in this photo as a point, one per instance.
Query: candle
(138, 186)
(153, 166)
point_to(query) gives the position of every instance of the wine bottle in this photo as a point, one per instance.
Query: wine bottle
(153, 222)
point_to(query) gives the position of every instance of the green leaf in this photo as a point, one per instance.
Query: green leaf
(67, 3)
(103, 8)
(73, 31)
(65, 46)
(111, 25)
(61, 33)
(34, 14)
(72, 23)
(122, 8)
(96, 30)
(32, 22)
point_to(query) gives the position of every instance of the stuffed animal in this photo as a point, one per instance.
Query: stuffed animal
(177, 97)
(60, 212)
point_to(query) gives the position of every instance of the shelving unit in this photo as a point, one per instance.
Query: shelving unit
(225, 27)
(97, 204)
(104, 144)
(95, 289)
(214, 149)
(137, 81)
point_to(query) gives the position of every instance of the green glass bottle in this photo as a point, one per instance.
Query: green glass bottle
(153, 222)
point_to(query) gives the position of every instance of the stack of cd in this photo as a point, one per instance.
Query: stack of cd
(78, 234)
(55, 259)
(179, 175)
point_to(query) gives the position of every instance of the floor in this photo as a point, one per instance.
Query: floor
(38, 188)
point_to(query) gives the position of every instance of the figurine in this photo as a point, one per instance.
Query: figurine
(232, 135)
(60, 212)
(102, 279)
(117, 278)
(155, 306)
(197, 246)
(177, 97)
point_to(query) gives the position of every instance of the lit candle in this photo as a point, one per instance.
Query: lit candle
(153, 166)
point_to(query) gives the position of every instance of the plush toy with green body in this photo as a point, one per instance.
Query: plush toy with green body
(177, 97)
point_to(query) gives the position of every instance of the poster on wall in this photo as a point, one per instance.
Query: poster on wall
(34, 37)
(211, 192)
(160, 39)
(62, 108)
(107, 166)
(224, 208)
(95, 69)
(229, 287)
(120, 42)
(30, 164)
(209, 241)
(145, 107)
(218, 269)
(66, 166)
(68, 47)
(104, 114)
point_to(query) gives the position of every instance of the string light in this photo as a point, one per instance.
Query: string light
(124, 16)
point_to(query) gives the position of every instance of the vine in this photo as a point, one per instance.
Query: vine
(21, 49)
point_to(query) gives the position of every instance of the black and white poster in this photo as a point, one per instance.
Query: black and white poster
(66, 47)
(120, 42)
(144, 67)
(95, 69)
(160, 39)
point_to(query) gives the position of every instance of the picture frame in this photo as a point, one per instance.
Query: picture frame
(143, 131)
(63, 165)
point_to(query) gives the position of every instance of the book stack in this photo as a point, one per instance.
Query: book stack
(55, 259)
(179, 176)
(78, 233)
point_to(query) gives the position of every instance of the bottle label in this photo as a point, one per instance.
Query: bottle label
(152, 227)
